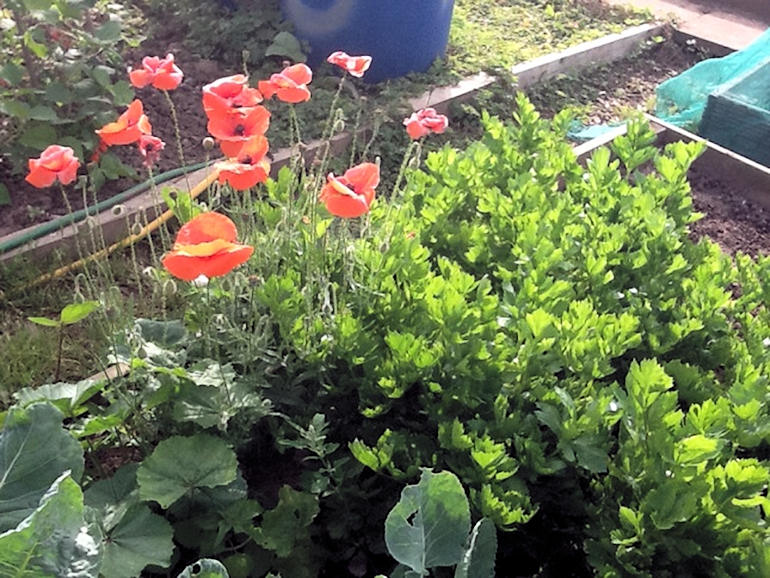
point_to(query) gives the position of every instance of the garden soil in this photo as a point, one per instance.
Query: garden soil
(735, 223)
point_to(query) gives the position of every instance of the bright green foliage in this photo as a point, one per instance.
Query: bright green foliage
(53, 540)
(176, 467)
(34, 452)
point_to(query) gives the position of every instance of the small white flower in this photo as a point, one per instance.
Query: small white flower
(200, 281)
(766, 342)
(613, 405)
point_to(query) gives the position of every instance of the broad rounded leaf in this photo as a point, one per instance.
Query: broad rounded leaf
(140, 538)
(67, 397)
(53, 540)
(429, 525)
(205, 568)
(478, 560)
(34, 451)
(180, 464)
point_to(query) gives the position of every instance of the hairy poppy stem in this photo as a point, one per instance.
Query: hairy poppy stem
(177, 133)
(59, 351)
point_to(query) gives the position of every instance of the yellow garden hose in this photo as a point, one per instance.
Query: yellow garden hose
(131, 239)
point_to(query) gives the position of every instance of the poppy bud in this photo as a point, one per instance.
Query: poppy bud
(169, 287)
(208, 143)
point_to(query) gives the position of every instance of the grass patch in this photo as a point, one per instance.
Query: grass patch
(487, 35)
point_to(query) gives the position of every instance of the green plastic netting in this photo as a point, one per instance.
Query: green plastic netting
(681, 100)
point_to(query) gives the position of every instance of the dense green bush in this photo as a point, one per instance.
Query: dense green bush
(541, 328)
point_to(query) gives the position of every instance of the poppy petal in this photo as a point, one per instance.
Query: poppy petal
(40, 178)
(294, 95)
(298, 73)
(207, 227)
(363, 176)
(140, 78)
(345, 206)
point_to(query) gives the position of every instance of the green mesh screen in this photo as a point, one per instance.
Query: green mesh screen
(682, 100)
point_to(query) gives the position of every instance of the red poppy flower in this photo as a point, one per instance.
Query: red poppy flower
(162, 73)
(55, 162)
(351, 195)
(235, 128)
(228, 93)
(355, 65)
(129, 127)
(206, 246)
(150, 147)
(249, 168)
(424, 122)
(290, 85)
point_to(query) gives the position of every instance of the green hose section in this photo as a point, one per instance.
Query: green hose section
(61, 222)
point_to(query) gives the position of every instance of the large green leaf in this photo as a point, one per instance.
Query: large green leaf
(53, 540)
(139, 539)
(286, 44)
(429, 525)
(205, 568)
(34, 451)
(133, 537)
(180, 464)
(210, 406)
(478, 560)
(67, 397)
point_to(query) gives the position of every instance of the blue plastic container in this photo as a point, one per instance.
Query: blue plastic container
(401, 36)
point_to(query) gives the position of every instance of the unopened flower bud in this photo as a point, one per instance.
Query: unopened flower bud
(200, 281)
(169, 287)
(208, 143)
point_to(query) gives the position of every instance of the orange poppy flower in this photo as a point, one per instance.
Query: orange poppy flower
(355, 65)
(228, 93)
(129, 127)
(206, 245)
(162, 73)
(150, 147)
(238, 126)
(424, 122)
(351, 195)
(251, 166)
(55, 162)
(290, 85)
